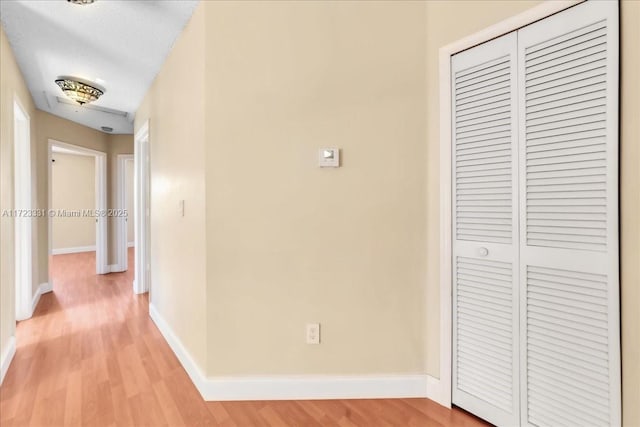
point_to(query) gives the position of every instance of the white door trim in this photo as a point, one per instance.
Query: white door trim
(443, 395)
(101, 199)
(122, 243)
(141, 209)
(23, 203)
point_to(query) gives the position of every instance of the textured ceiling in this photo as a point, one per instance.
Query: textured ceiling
(119, 44)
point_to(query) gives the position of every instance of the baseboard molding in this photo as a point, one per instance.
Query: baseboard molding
(6, 357)
(115, 268)
(189, 365)
(35, 301)
(437, 393)
(291, 387)
(42, 289)
(74, 250)
(131, 244)
(308, 387)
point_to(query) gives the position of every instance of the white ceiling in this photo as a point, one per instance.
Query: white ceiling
(119, 44)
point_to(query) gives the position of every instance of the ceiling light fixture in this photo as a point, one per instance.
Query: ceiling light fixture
(81, 1)
(79, 91)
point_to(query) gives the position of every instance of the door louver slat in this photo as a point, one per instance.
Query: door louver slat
(484, 330)
(483, 144)
(573, 354)
(586, 116)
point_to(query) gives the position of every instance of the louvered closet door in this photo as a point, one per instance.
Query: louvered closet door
(568, 101)
(485, 297)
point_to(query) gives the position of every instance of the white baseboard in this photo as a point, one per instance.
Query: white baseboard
(292, 387)
(115, 268)
(35, 301)
(42, 289)
(314, 387)
(193, 370)
(74, 250)
(436, 392)
(131, 244)
(6, 357)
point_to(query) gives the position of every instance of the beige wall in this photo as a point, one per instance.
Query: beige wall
(288, 242)
(630, 209)
(178, 252)
(73, 188)
(11, 85)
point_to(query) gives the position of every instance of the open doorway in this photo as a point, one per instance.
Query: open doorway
(77, 203)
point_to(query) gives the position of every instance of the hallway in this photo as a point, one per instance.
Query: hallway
(92, 356)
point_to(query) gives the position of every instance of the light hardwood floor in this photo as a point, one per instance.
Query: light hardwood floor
(91, 356)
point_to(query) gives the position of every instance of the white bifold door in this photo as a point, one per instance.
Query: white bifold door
(485, 234)
(535, 213)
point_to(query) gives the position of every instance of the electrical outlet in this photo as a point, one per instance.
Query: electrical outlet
(313, 333)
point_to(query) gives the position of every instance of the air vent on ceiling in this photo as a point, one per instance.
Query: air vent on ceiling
(106, 128)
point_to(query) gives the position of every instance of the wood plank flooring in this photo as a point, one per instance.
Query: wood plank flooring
(91, 356)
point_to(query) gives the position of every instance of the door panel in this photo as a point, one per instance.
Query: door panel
(485, 379)
(569, 315)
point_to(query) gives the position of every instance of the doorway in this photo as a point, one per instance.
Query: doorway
(79, 217)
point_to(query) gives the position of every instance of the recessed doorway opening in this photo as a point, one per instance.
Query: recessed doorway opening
(77, 207)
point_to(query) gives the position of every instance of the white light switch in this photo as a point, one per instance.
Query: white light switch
(313, 333)
(329, 157)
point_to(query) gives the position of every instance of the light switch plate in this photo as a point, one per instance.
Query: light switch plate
(313, 333)
(329, 157)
